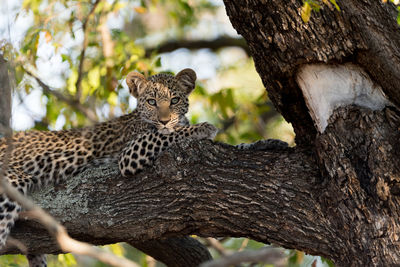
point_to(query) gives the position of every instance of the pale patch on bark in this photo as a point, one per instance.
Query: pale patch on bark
(327, 87)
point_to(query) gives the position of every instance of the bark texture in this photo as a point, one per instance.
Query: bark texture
(208, 189)
(361, 198)
(358, 154)
(175, 251)
(363, 32)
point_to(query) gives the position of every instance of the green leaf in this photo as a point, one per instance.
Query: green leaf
(327, 261)
(70, 259)
(73, 77)
(306, 12)
(255, 245)
(398, 15)
(66, 57)
(200, 90)
(335, 4)
(158, 62)
(94, 77)
(112, 99)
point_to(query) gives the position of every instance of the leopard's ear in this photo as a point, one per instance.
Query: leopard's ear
(187, 79)
(136, 83)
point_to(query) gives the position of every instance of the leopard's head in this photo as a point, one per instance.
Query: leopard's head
(163, 98)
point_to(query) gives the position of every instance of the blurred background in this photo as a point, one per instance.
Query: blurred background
(70, 59)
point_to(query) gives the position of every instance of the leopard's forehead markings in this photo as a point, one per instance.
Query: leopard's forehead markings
(164, 85)
(159, 90)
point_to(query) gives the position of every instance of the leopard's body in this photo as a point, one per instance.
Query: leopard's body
(43, 157)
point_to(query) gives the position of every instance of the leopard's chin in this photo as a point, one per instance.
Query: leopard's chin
(165, 130)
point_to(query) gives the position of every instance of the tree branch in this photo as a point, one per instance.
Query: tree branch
(175, 251)
(214, 243)
(66, 99)
(214, 45)
(208, 190)
(83, 51)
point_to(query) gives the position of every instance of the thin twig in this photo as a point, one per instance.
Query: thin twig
(218, 43)
(83, 51)
(150, 261)
(244, 244)
(108, 44)
(5, 113)
(5, 99)
(214, 243)
(18, 244)
(66, 99)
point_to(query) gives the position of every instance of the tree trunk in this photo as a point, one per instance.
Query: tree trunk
(358, 152)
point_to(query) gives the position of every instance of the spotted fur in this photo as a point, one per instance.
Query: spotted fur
(43, 157)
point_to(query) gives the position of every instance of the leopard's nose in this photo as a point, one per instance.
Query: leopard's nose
(164, 121)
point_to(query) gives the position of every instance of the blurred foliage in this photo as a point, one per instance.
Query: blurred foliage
(82, 50)
(316, 5)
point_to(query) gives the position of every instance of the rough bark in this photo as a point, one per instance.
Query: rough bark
(357, 154)
(175, 251)
(361, 198)
(208, 190)
(363, 32)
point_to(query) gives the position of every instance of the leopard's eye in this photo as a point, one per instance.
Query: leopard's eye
(174, 100)
(151, 101)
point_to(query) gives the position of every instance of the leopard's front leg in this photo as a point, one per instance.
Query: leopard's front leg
(142, 151)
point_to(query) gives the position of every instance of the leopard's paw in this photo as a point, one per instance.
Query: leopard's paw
(206, 130)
